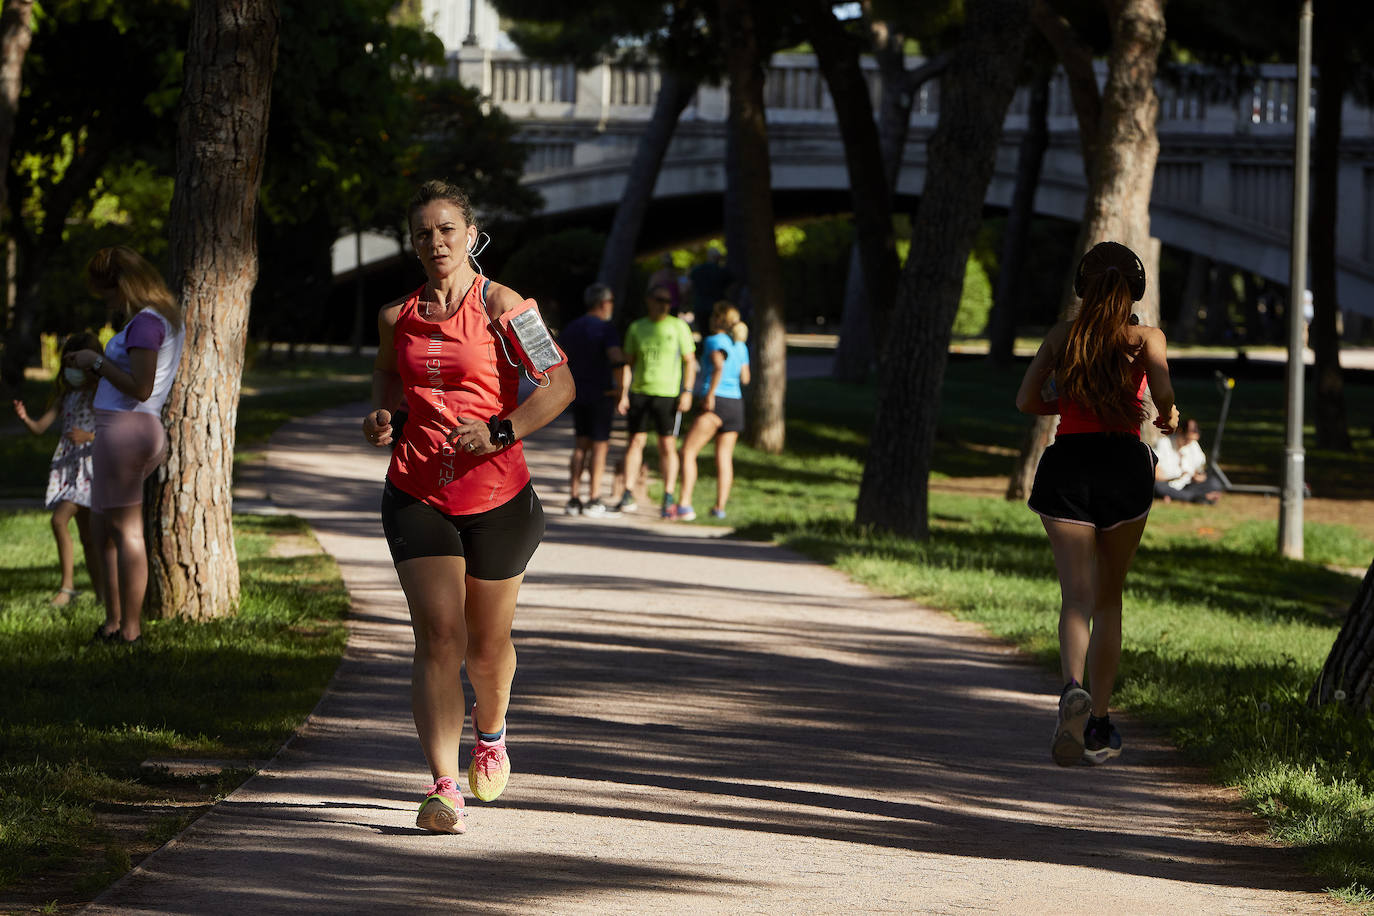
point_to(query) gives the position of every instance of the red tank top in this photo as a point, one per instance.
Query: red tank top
(1075, 418)
(450, 369)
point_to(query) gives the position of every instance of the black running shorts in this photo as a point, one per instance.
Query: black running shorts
(1098, 479)
(593, 419)
(646, 407)
(497, 544)
(731, 413)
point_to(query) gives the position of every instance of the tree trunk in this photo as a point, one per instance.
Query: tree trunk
(1349, 667)
(854, 351)
(674, 93)
(16, 34)
(744, 60)
(1124, 151)
(1331, 47)
(974, 95)
(1185, 328)
(1008, 302)
(854, 356)
(193, 573)
(837, 53)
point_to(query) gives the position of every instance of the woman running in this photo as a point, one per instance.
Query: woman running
(1094, 486)
(460, 514)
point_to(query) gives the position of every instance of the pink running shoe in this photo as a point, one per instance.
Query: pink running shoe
(442, 809)
(490, 767)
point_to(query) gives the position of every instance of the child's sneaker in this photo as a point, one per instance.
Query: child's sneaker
(490, 767)
(717, 513)
(442, 809)
(1074, 707)
(627, 503)
(596, 508)
(685, 513)
(574, 507)
(669, 510)
(1101, 741)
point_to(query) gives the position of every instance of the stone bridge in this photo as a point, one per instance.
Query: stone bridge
(1222, 189)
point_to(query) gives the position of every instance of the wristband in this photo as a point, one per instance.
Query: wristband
(502, 433)
(95, 366)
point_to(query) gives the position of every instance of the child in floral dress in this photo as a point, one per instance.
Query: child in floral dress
(69, 477)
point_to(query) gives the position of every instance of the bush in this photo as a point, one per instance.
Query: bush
(975, 302)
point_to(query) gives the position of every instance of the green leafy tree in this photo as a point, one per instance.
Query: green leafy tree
(71, 130)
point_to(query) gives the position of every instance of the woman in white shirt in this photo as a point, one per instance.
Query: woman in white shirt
(136, 372)
(1182, 469)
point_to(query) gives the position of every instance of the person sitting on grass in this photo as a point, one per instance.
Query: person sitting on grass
(1181, 473)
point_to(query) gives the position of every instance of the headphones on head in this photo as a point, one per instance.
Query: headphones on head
(1114, 252)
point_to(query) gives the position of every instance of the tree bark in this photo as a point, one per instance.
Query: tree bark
(744, 60)
(674, 93)
(16, 34)
(855, 354)
(222, 134)
(1349, 667)
(974, 95)
(1008, 301)
(1332, 40)
(1124, 150)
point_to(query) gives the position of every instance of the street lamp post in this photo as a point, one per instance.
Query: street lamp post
(1290, 503)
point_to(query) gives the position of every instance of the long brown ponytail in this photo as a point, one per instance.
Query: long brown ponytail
(1095, 368)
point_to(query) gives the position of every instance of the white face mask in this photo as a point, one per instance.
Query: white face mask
(75, 377)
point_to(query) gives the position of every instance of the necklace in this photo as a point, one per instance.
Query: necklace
(436, 309)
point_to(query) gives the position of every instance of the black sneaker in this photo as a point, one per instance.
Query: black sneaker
(574, 507)
(1101, 741)
(595, 508)
(1074, 707)
(627, 503)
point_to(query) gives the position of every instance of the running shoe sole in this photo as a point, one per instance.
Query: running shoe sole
(438, 815)
(1074, 708)
(1101, 755)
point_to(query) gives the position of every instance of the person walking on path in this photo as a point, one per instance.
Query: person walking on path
(458, 508)
(656, 387)
(69, 474)
(1095, 484)
(136, 373)
(724, 370)
(593, 347)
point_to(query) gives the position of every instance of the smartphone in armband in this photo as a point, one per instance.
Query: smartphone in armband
(524, 327)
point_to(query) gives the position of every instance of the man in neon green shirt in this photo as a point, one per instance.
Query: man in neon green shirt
(656, 387)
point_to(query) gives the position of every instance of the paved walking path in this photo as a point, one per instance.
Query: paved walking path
(700, 725)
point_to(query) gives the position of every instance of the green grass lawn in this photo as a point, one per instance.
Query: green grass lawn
(1223, 639)
(76, 805)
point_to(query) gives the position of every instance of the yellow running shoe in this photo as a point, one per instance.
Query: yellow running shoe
(490, 767)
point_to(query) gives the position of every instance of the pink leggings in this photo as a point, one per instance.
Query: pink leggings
(129, 445)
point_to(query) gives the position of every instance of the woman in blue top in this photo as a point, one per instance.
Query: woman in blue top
(724, 369)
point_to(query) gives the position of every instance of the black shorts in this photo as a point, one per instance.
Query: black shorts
(731, 413)
(593, 419)
(1098, 479)
(643, 407)
(497, 544)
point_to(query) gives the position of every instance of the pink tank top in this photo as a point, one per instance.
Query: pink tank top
(450, 369)
(1075, 418)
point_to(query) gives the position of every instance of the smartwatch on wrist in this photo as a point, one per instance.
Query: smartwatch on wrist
(502, 434)
(95, 366)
